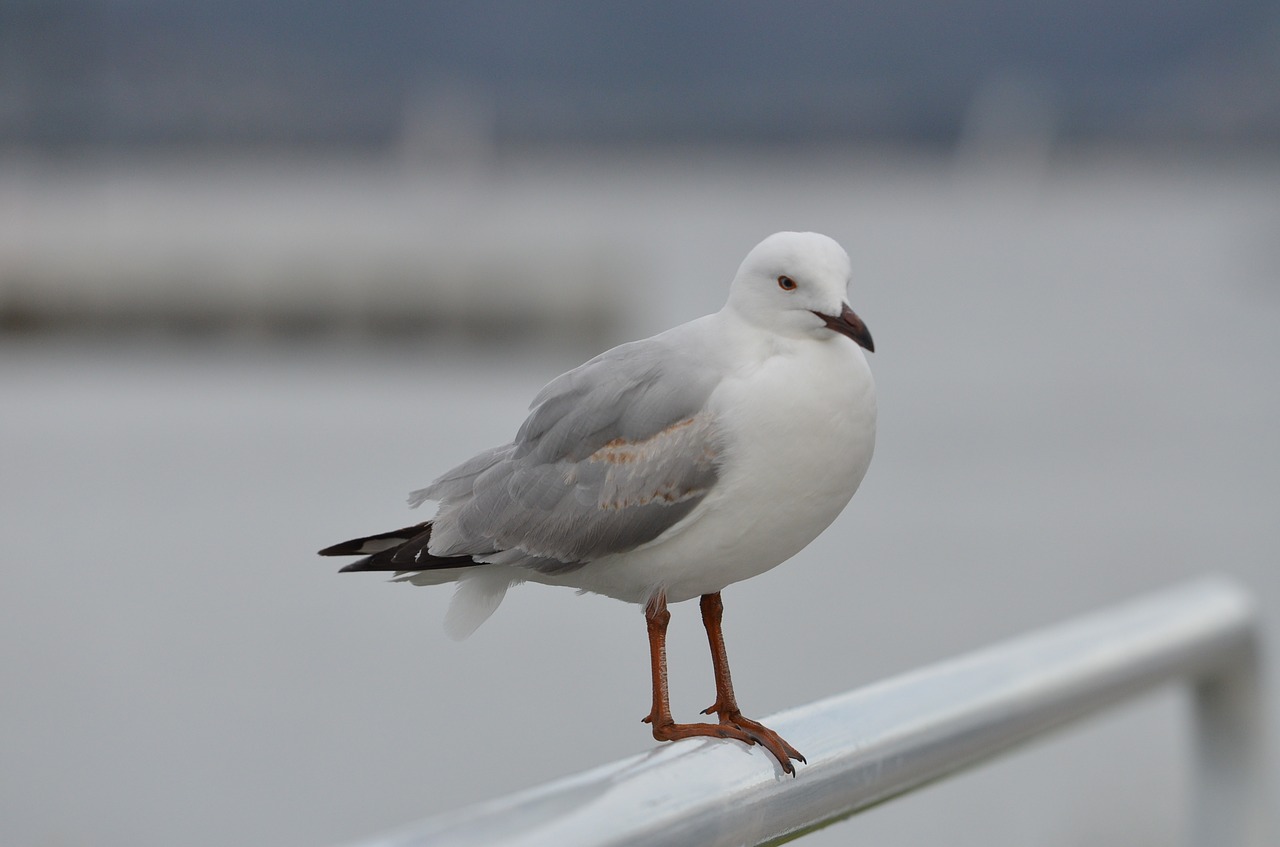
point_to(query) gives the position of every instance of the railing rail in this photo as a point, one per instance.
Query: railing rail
(874, 743)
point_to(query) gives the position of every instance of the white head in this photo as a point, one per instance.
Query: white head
(795, 283)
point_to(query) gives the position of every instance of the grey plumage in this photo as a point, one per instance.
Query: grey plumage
(612, 454)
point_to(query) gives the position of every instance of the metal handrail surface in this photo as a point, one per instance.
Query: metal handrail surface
(874, 743)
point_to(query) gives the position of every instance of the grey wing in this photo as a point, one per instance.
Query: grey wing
(612, 455)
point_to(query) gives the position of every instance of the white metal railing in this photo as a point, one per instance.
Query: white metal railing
(872, 744)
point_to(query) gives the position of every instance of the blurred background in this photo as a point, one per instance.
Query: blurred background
(265, 268)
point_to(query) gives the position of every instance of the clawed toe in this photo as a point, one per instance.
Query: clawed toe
(677, 731)
(771, 741)
(766, 738)
(735, 726)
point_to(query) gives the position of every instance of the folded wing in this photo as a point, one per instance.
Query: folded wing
(613, 454)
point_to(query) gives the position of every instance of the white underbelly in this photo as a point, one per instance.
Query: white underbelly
(796, 445)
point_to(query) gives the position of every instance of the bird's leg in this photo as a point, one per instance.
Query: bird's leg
(664, 727)
(726, 705)
(657, 617)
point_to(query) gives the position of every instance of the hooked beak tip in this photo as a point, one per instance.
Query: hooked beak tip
(851, 326)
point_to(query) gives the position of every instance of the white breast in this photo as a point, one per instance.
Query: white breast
(799, 429)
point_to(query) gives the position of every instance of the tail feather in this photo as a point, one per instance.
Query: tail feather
(398, 550)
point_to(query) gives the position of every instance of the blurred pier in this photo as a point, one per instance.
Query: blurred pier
(288, 247)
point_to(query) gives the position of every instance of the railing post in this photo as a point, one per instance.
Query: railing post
(1231, 749)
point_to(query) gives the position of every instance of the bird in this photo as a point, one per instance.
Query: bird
(667, 469)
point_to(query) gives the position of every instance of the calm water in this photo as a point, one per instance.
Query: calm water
(1077, 377)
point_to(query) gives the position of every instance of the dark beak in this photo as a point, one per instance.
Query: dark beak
(851, 325)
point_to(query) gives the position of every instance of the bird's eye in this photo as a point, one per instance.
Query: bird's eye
(786, 283)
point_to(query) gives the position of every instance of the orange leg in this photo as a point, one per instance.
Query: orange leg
(726, 705)
(731, 724)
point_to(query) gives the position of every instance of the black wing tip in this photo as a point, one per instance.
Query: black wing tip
(365, 565)
(359, 546)
(409, 554)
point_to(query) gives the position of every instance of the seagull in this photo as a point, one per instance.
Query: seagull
(667, 469)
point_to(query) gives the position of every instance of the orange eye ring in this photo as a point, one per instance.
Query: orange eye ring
(786, 283)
